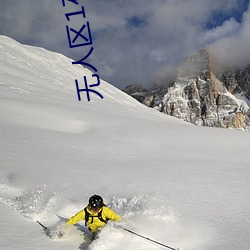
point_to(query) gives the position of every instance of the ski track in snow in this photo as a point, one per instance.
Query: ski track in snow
(43, 117)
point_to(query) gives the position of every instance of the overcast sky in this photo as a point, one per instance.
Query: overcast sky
(134, 41)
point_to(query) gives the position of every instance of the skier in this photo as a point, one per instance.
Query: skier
(95, 214)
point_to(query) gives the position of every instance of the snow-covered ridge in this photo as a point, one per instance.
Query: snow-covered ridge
(37, 74)
(37, 68)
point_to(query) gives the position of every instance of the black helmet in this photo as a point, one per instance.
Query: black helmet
(96, 202)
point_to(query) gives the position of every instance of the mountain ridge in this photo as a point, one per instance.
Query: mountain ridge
(200, 95)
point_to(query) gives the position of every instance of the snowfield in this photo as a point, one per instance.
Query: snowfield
(182, 185)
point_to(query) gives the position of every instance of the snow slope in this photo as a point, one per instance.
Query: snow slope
(176, 183)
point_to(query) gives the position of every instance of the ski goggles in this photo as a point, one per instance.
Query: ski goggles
(94, 208)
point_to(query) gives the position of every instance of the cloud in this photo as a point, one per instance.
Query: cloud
(134, 41)
(233, 49)
(228, 28)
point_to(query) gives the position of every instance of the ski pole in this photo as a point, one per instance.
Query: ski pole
(146, 238)
(45, 228)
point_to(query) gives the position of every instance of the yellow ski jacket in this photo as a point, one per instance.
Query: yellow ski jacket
(94, 223)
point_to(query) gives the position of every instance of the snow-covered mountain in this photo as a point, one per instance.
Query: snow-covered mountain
(201, 95)
(182, 185)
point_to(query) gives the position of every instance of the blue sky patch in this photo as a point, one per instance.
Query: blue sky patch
(219, 17)
(136, 21)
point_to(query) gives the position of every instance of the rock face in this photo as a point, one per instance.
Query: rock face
(237, 81)
(201, 97)
(137, 91)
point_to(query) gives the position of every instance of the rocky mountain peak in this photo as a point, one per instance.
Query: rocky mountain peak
(202, 97)
(196, 64)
